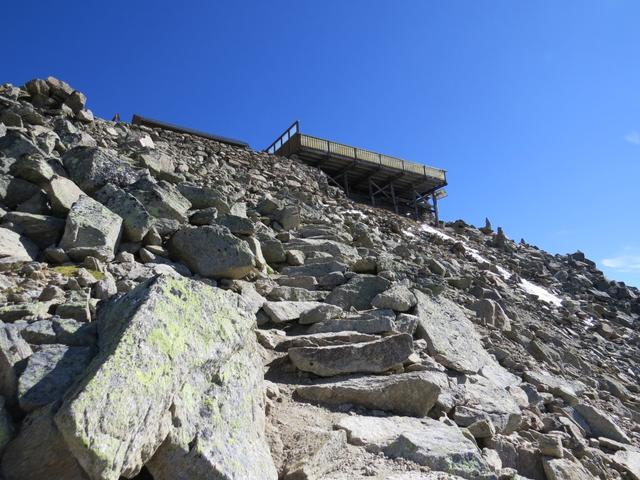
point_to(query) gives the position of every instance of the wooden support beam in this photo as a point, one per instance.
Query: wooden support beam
(393, 197)
(434, 199)
(371, 196)
(365, 177)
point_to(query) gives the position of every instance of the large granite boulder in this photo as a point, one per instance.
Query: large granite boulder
(91, 168)
(136, 220)
(91, 230)
(218, 424)
(154, 343)
(212, 251)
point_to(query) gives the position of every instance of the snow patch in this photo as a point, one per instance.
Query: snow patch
(433, 231)
(540, 292)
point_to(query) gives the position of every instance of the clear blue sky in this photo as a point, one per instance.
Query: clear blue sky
(533, 107)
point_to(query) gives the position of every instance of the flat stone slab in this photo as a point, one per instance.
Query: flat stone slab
(324, 339)
(315, 269)
(281, 312)
(451, 337)
(413, 393)
(375, 321)
(368, 357)
(425, 441)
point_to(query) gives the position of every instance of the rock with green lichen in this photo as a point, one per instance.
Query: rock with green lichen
(218, 424)
(152, 342)
(91, 230)
(212, 251)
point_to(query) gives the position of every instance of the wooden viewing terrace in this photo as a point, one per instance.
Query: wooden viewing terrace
(365, 175)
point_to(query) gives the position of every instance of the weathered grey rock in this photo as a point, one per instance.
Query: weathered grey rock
(314, 269)
(425, 441)
(91, 168)
(321, 453)
(77, 308)
(628, 461)
(398, 298)
(152, 341)
(297, 294)
(451, 337)
(358, 292)
(564, 469)
(39, 332)
(482, 398)
(34, 169)
(321, 313)
(15, 247)
(219, 424)
(284, 343)
(273, 251)
(15, 191)
(3, 129)
(368, 357)
(373, 321)
(338, 250)
(164, 202)
(280, 312)
(599, 424)
(39, 452)
(91, 230)
(49, 373)
(295, 257)
(550, 445)
(13, 350)
(202, 197)
(42, 230)
(236, 224)
(62, 194)
(412, 394)
(136, 220)
(14, 144)
(206, 216)
(212, 251)
(11, 313)
(405, 323)
(73, 333)
(288, 217)
(491, 313)
(157, 162)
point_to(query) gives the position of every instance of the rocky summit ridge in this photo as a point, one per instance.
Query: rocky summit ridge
(173, 307)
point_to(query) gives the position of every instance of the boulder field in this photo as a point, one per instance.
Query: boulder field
(173, 307)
